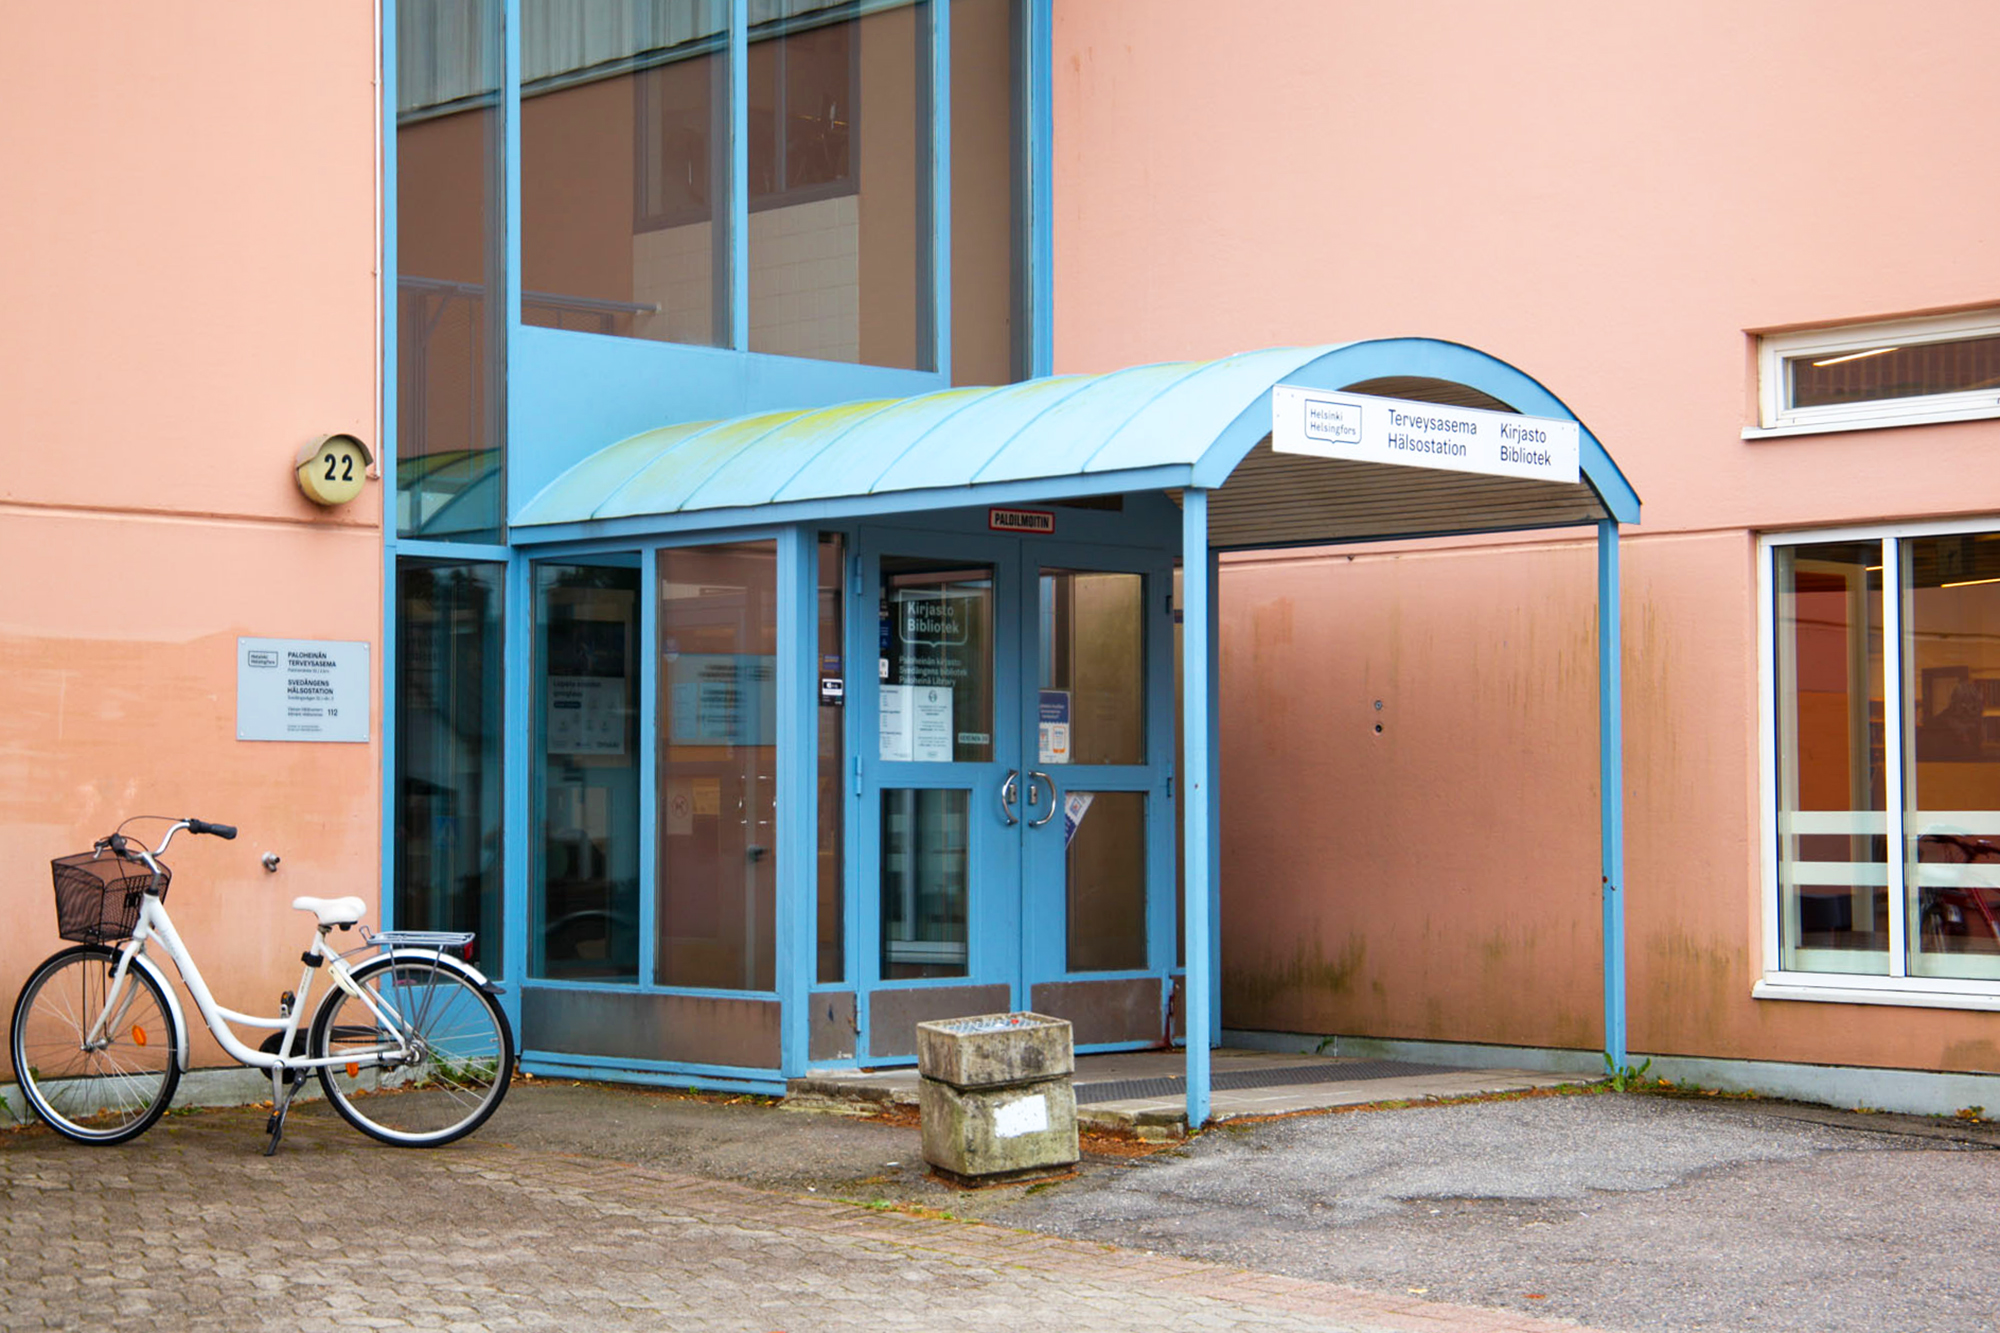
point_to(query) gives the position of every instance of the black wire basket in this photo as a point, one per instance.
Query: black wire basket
(98, 893)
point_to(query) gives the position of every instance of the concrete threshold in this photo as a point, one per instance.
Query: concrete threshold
(1145, 1090)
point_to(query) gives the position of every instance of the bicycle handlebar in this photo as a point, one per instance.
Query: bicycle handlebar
(223, 831)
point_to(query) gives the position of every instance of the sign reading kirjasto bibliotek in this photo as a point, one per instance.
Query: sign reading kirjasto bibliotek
(1365, 429)
(301, 690)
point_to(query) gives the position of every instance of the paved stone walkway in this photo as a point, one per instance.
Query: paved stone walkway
(189, 1228)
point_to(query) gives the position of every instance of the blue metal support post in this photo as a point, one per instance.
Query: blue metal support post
(1197, 625)
(798, 772)
(1611, 788)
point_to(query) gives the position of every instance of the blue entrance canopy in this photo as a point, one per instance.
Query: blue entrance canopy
(1199, 430)
(1159, 427)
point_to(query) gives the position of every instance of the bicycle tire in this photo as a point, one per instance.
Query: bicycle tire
(465, 1051)
(102, 1096)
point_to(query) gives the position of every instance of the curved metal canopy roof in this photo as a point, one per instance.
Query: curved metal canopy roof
(1157, 427)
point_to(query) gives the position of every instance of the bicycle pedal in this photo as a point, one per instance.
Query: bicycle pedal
(271, 1125)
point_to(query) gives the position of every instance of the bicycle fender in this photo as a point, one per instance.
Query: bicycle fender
(152, 970)
(471, 973)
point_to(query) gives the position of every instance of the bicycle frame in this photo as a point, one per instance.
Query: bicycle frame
(155, 924)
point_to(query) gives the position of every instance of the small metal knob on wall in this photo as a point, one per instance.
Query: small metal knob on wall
(271, 862)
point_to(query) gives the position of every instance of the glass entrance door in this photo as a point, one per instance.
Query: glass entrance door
(1014, 839)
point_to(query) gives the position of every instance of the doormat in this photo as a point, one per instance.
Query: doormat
(1175, 1085)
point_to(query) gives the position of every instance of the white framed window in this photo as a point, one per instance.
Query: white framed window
(1894, 373)
(1880, 680)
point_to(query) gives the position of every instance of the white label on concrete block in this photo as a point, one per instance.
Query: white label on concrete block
(1030, 1115)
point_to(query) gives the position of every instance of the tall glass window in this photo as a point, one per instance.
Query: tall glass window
(447, 781)
(450, 340)
(1888, 731)
(839, 144)
(626, 177)
(989, 328)
(584, 894)
(1832, 783)
(1951, 824)
(624, 109)
(718, 771)
(832, 929)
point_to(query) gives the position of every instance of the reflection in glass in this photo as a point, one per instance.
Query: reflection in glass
(718, 766)
(584, 895)
(1092, 707)
(935, 672)
(448, 793)
(988, 327)
(832, 933)
(839, 248)
(1952, 659)
(449, 343)
(623, 109)
(1832, 784)
(924, 878)
(1957, 365)
(1106, 860)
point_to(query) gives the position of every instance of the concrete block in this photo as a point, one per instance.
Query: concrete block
(998, 1133)
(994, 1050)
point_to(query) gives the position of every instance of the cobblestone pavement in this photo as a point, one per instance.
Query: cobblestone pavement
(190, 1228)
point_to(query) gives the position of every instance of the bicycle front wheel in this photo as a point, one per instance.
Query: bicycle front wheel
(96, 1067)
(425, 1061)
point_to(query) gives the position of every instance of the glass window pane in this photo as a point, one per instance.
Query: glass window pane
(936, 668)
(1832, 827)
(448, 791)
(622, 165)
(1093, 668)
(839, 244)
(924, 878)
(832, 932)
(988, 344)
(1830, 379)
(1106, 859)
(718, 766)
(449, 343)
(585, 888)
(1952, 637)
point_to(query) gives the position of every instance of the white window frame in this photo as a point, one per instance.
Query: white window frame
(1897, 988)
(1773, 350)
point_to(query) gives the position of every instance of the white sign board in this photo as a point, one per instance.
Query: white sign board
(1394, 430)
(301, 690)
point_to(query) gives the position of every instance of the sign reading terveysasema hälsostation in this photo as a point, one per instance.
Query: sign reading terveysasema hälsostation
(1366, 429)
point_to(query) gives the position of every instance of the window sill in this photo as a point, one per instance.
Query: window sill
(1983, 412)
(1907, 992)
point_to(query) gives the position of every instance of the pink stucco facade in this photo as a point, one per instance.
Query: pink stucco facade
(1616, 201)
(189, 248)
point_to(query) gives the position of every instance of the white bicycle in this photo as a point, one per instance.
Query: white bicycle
(410, 1044)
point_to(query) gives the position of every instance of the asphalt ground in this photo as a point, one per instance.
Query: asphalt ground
(586, 1206)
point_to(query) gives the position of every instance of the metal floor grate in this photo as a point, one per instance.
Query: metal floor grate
(1175, 1085)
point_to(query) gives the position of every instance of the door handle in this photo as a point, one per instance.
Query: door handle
(1033, 777)
(1007, 791)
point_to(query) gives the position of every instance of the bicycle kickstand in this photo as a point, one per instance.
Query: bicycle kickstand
(293, 1080)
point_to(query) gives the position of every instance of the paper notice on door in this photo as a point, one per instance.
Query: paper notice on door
(1075, 805)
(895, 721)
(1054, 726)
(930, 724)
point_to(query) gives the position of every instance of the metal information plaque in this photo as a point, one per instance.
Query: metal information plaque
(301, 690)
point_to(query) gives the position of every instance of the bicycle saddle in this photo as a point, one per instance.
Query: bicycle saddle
(332, 911)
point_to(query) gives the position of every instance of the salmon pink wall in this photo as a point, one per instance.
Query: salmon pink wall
(189, 250)
(1615, 200)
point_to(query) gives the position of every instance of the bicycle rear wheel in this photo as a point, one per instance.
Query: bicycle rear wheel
(434, 1071)
(109, 1090)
